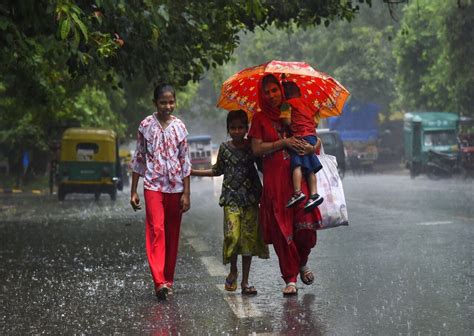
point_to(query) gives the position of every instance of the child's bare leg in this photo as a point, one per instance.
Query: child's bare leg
(297, 176)
(231, 280)
(312, 184)
(246, 262)
(315, 199)
(298, 195)
(246, 289)
(233, 268)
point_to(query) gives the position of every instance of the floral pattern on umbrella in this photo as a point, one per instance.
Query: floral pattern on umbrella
(318, 89)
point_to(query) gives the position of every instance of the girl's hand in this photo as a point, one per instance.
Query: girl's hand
(185, 203)
(135, 201)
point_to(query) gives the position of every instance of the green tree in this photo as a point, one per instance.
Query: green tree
(358, 54)
(163, 40)
(74, 59)
(435, 57)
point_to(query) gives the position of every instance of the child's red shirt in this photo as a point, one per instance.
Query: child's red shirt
(302, 118)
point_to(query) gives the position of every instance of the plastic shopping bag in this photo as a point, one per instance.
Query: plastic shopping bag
(333, 209)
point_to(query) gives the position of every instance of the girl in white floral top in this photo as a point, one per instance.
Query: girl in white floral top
(162, 159)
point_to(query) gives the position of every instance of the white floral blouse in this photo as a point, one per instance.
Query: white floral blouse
(162, 155)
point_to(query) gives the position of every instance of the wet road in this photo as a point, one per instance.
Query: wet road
(402, 267)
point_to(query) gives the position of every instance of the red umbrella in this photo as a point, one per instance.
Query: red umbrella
(318, 89)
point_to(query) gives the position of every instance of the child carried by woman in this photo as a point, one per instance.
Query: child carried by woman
(302, 125)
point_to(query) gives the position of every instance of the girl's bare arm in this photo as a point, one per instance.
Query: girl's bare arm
(134, 199)
(185, 198)
(202, 172)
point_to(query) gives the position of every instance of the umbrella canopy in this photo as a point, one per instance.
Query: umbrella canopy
(319, 90)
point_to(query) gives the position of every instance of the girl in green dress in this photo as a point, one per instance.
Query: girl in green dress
(240, 196)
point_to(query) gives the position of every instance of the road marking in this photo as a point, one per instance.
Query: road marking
(198, 245)
(242, 307)
(214, 267)
(469, 219)
(435, 223)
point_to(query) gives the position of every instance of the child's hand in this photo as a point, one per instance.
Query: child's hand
(185, 203)
(135, 201)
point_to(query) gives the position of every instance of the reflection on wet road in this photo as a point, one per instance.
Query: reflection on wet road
(403, 266)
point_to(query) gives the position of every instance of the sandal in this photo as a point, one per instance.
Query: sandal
(290, 285)
(162, 292)
(306, 275)
(231, 285)
(249, 290)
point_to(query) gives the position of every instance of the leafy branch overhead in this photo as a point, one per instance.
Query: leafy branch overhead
(60, 57)
(163, 40)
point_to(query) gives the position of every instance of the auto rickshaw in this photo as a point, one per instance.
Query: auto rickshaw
(427, 136)
(200, 148)
(89, 163)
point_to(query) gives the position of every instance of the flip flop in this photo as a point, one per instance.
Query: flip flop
(291, 284)
(231, 285)
(306, 275)
(249, 290)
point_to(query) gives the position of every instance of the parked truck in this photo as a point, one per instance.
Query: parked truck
(428, 133)
(359, 129)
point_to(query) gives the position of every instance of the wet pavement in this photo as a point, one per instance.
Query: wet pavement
(402, 267)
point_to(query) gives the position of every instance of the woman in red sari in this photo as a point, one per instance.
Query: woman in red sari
(292, 231)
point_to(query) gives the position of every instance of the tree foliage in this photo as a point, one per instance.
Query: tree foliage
(54, 52)
(358, 54)
(164, 40)
(435, 57)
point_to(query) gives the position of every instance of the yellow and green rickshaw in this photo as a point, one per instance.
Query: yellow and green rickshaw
(89, 163)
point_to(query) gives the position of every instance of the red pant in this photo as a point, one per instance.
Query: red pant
(295, 254)
(163, 220)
